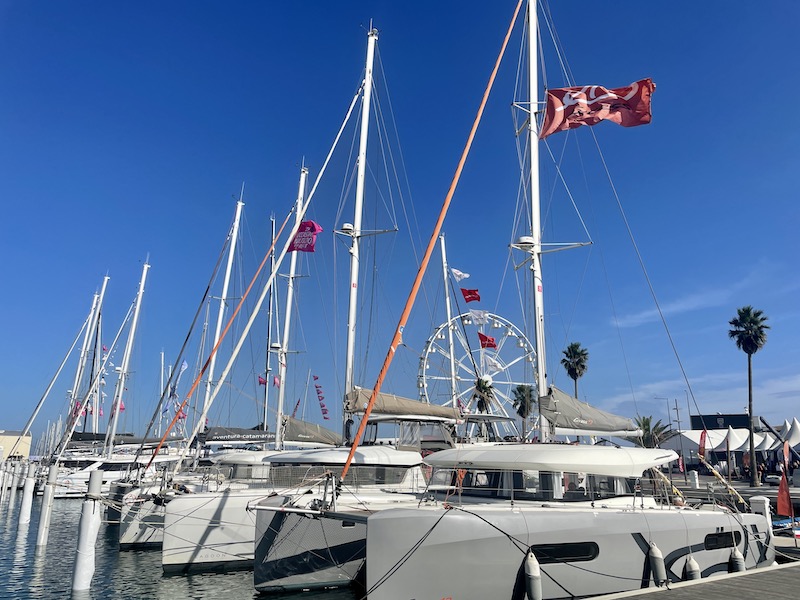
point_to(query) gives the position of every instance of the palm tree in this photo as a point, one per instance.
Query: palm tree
(749, 331)
(652, 433)
(484, 393)
(574, 361)
(523, 402)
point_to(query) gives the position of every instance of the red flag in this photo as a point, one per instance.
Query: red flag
(785, 507)
(680, 464)
(486, 341)
(568, 108)
(315, 377)
(105, 348)
(261, 380)
(701, 450)
(276, 382)
(305, 238)
(470, 295)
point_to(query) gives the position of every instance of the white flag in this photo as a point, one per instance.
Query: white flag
(493, 363)
(480, 317)
(459, 275)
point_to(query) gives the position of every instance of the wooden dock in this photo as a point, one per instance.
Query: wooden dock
(779, 583)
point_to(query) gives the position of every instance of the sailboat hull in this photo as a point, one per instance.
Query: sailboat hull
(479, 552)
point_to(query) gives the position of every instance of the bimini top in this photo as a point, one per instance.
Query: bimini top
(599, 460)
(365, 455)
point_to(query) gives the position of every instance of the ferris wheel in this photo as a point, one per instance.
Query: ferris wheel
(487, 359)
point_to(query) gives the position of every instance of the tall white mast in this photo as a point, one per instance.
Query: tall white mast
(126, 358)
(223, 300)
(287, 318)
(355, 229)
(446, 275)
(270, 310)
(536, 224)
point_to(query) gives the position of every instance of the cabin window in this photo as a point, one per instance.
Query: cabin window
(723, 539)
(557, 553)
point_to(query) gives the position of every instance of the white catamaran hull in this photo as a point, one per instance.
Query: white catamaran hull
(479, 552)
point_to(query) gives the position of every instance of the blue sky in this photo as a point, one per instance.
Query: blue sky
(127, 131)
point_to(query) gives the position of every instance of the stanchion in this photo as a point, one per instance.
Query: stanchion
(27, 497)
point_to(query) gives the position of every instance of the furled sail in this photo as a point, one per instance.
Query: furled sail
(389, 404)
(296, 430)
(571, 416)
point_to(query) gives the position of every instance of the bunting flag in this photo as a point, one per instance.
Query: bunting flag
(305, 238)
(458, 275)
(296, 406)
(101, 411)
(479, 317)
(486, 341)
(276, 382)
(105, 348)
(321, 398)
(261, 380)
(680, 464)
(701, 447)
(571, 107)
(470, 295)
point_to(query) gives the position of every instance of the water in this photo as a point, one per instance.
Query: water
(119, 575)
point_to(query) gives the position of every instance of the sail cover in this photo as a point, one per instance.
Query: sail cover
(566, 412)
(238, 435)
(389, 404)
(296, 430)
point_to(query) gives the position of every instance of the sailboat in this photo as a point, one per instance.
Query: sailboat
(550, 520)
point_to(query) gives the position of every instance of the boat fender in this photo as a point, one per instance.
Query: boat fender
(736, 562)
(533, 577)
(691, 570)
(657, 565)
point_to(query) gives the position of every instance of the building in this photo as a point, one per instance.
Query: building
(7, 440)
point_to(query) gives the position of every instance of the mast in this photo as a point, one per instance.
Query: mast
(223, 300)
(301, 191)
(123, 373)
(270, 310)
(354, 230)
(446, 276)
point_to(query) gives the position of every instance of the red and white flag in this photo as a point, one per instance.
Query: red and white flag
(486, 341)
(470, 295)
(305, 238)
(571, 107)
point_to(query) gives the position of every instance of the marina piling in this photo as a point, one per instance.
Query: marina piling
(27, 497)
(88, 527)
(47, 509)
(3, 478)
(12, 496)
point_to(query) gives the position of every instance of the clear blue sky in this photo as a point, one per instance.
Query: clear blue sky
(126, 130)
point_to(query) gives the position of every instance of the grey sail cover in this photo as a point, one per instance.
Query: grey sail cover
(296, 430)
(389, 404)
(564, 411)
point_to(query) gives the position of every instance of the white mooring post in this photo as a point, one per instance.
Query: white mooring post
(89, 525)
(47, 508)
(12, 496)
(3, 480)
(27, 498)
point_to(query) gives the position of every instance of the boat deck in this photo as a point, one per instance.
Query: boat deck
(779, 583)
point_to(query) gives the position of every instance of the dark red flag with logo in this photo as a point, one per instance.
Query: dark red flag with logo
(486, 341)
(571, 107)
(470, 295)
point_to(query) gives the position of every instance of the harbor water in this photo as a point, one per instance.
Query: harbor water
(24, 574)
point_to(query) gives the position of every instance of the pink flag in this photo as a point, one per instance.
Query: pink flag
(121, 405)
(701, 447)
(105, 348)
(568, 108)
(305, 238)
(315, 377)
(276, 382)
(261, 380)
(470, 295)
(486, 341)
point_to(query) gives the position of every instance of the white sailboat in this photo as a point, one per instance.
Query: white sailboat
(550, 520)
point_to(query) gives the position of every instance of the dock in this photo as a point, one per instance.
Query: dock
(779, 583)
